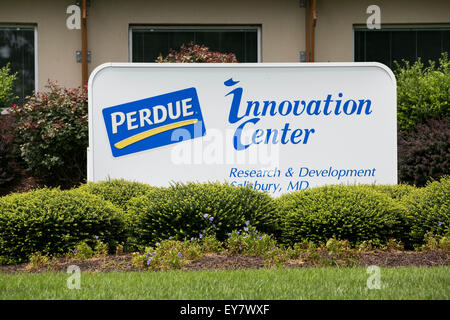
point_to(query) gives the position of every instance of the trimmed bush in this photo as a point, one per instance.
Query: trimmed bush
(188, 210)
(51, 221)
(7, 80)
(422, 92)
(52, 132)
(353, 213)
(117, 191)
(429, 211)
(8, 160)
(396, 192)
(424, 153)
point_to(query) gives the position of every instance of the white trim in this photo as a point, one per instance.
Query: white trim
(130, 44)
(196, 27)
(36, 74)
(239, 65)
(405, 27)
(34, 27)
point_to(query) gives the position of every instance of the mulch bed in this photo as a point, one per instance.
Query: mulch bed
(122, 263)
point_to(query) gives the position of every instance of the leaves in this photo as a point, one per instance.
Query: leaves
(422, 92)
(52, 134)
(52, 221)
(179, 211)
(424, 153)
(196, 54)
(7, 86)
(353, 213)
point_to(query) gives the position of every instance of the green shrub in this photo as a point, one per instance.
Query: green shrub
(396, 192)
(422, 92)
(353, 213)
(51, 221)
(429, 211)
(167, 255)
(193, 210)
(87, 249)
(250, 242)
(117, 191)
(38, 261)
(8, 158)
(6, 86)
(52, 133)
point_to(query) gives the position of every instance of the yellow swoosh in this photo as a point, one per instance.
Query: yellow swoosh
(143, 135)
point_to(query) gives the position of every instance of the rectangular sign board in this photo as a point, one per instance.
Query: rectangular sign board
(279, 127)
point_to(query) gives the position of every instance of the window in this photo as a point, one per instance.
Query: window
(395, 44)
(148, 42)
(18, 47)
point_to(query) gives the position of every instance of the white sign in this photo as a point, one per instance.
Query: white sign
(278, 127)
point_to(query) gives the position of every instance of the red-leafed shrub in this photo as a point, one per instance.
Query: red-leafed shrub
(52, 134)
(424, 153)
(196, 53)
(8, 160)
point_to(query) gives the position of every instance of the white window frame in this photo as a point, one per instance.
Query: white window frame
(196, 27)
(34, 27)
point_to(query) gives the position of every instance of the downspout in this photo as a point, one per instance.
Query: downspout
(84, 49)
(307, 31)
(313, 31)
(310, 12)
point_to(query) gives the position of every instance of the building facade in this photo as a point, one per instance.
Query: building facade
(36, 37)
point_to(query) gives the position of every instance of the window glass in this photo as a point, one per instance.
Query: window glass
(389, 45)
(148, 44)
(18, 48)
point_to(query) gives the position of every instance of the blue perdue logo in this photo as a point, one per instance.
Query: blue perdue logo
(149, 123)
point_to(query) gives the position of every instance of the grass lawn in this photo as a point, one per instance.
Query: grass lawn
(273, 284)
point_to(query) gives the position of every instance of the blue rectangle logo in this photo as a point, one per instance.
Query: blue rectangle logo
(150, 123)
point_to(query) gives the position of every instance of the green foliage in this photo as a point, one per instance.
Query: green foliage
(191, 210)
(429, 211)
(87, 249)
(169, 254)
(8, 159)
(424, 153)
(83, 251)
(353, 213)
(339, 253)
(250, 242)
(52, 132)
(53, 222)
(396, 192)
(422, 92)
(333, 252)
(6, 86)
(210, 244)
(38, 261)
(435, 243)
(117, 191)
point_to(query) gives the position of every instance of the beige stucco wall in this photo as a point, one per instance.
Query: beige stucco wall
(335, 20)
(56, 44)
(282, 23)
